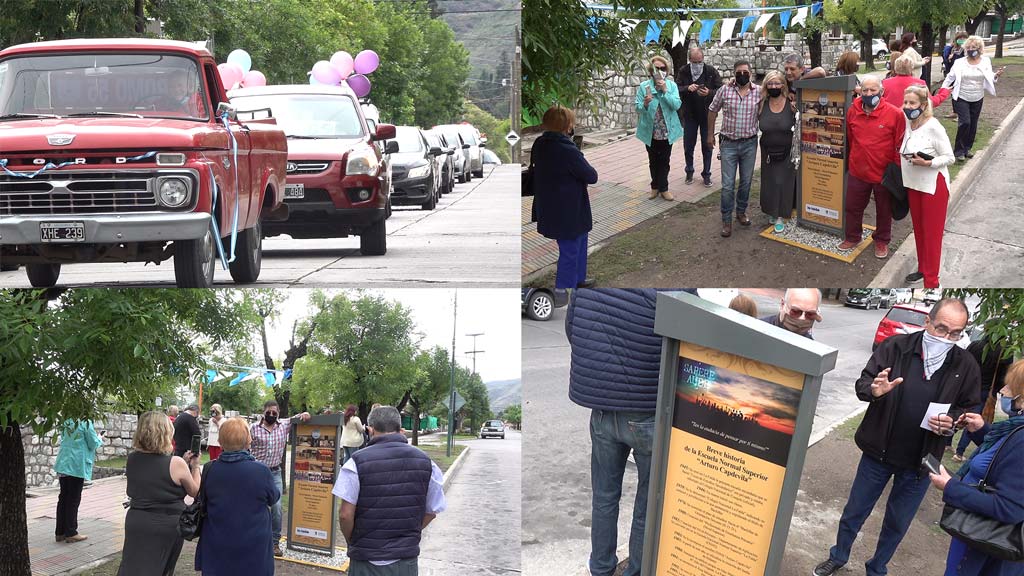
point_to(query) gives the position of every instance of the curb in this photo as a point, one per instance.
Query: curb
(450, 474)
(903, 261)
(815, 438)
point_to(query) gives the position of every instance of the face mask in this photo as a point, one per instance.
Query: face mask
(269, 418)
(959, 42)
(800, 325)
(742, 79)
(1006, 405)
(696, 69)
(973, 53)
(912, 113)
(870, 101)
(775, 92)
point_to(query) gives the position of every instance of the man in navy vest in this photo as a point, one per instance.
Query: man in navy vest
(389, 492)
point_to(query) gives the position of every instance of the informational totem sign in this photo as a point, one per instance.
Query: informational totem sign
(311, 506)
(735, 407)
(821, 183)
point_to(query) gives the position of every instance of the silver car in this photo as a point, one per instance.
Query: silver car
(470, 136)
(493, 428)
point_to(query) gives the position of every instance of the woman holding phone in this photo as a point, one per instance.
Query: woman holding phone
(926, 153)
(657, 103)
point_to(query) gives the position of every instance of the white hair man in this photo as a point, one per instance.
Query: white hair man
(798, 311)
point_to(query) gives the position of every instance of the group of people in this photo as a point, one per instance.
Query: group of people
(390, 491)
(890, 126)
(904, 375)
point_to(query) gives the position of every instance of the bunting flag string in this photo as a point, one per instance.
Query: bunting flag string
(763, 21)
(679, 32)
(815, 6)
(800, 18)
(239, 374)
(706, 26)
(747, 21)
(728, 25)
(784, 18)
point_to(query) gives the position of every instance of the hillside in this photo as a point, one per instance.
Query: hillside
(504, 393)
(490, 39)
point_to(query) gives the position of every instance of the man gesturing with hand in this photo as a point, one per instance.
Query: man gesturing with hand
(905, 375)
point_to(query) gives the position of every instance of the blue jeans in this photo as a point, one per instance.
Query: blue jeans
(693, 127)
(908, 490)
(349, 451)
(275, 510)
(572, 262)
(613, 435)
(407, 567)
(736, 153)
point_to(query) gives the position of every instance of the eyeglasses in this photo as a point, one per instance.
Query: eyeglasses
(943, 331)
(662, 68)
(797, 313)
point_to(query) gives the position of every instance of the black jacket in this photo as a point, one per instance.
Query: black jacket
(694, 103)
(185, 426)
(560, 176)
(960, 387)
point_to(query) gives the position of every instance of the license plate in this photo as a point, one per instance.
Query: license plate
(294, 191)
(62, 231)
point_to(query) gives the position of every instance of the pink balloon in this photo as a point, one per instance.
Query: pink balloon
(343, 62)
(254, 78)
(325, 73)
(230, 74)
(359, 84)
(366, 62)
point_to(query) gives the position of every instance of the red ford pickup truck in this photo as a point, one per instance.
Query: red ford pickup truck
(128, 150)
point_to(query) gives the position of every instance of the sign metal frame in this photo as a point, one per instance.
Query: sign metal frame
(324, 421)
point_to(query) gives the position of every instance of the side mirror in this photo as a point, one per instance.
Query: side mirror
(465, 146)
(391, 147)
(227, 108)
(384, 132)
(483, 144)
(435, 151)
(450, 151)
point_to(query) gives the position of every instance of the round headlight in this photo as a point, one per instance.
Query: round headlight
(173, 192)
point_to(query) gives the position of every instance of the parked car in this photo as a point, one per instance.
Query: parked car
(463, 165)
(899, 319)
(878, 47)
(866, 298)
(489, 157)
(415, 175)
(338, 180)
(888, 297)
(904, 295)
(470, 136)
(130, 141)
(538, 303)
(493, 428)
(447, 164)
(931, 296)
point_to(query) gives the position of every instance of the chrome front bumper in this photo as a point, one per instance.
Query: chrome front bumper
(110, 228)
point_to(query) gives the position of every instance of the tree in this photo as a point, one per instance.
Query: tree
(927, 15)
(432, 382)
(494, 128)
(1003, 9)
(1000, 313)
(442, 82)
(62, 359)
(245, 397)
(514, 414)
(478, 404)
(360, 352)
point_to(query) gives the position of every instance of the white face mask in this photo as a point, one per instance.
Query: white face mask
(696, 69)
(935, 350)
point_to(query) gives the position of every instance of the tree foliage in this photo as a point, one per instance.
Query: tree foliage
(494, 129)
(431, 383)
(1000, 314)
(514, 414)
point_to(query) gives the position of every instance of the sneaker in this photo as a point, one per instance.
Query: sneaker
(689, 178)
(586, 283)
(847, 245)
(707, 181)
(881, 250)
(75, 538)
(914, 277)
(969, 155)
(780, 226)
(277, 550)
(667, 195)
(653, 195)
(960, 158)
(958, 457)
(826, 568)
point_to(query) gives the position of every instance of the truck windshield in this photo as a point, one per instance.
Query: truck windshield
(308, 115)
(152, 85)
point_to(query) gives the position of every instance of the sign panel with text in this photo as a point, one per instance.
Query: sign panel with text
(311, 506)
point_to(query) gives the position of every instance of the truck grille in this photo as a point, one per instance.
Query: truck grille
(58, 193)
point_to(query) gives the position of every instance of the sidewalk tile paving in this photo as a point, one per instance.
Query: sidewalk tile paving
(619, 200)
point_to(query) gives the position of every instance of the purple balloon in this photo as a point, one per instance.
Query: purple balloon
(359, 84)
(325, 73)
(366, 62)
(343, 62)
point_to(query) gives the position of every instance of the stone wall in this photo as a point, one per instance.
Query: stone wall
(619, 111)
(41, 451)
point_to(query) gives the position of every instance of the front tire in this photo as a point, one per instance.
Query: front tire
(540, 306)
(374, 240)
(246, 267)
(431, 202)
(194, 262)
(42, 275)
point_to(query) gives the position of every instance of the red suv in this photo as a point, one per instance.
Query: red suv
(899, 320)
(339, 182)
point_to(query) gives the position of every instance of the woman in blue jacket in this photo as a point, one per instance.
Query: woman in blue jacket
(561, 204)
(78, 444)
(1006, 504)
(657, 101)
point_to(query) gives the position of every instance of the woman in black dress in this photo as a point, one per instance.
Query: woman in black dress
(157, 485)
(777, 122)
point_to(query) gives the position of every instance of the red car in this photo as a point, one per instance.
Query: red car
(899, 320)
(119, 150)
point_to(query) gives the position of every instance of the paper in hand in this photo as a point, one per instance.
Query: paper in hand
(934, 409)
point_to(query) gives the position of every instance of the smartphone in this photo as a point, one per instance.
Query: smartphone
(931, 463)
(924, 156)
(196, 444)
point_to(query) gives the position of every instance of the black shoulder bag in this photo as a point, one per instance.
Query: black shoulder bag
(190, 523)
(528, 178)
(982, 533)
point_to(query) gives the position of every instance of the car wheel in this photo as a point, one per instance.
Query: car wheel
(387, 209)
(469, 176)
(540, 306)
(431, 202)
(246, 267)
(881, 54)
(42, 275)
(194, 262)
(374, 240)
(479, 173)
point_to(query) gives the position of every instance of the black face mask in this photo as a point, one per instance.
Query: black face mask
(743, 79)
(871, 101)
(973, 53)
(775, 92)
(269, 417)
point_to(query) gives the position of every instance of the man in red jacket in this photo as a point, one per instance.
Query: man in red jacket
(874, 132)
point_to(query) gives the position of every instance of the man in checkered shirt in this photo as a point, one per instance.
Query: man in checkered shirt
(738, 102)
(269, 439)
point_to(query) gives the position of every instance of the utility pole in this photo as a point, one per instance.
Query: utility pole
(474, 351)
(451, 394)
(515, 107)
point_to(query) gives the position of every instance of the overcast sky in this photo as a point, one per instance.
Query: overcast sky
(495, 312)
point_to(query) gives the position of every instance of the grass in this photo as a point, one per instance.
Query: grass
(437, 454)
(122, 462)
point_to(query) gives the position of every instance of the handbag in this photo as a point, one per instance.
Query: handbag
(982, 533)
(527, 179)
(190, 523)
